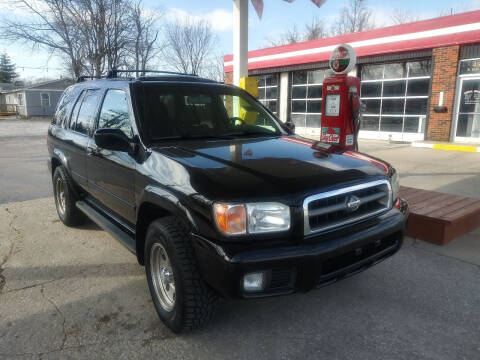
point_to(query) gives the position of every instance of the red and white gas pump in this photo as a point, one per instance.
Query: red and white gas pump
(341, 101)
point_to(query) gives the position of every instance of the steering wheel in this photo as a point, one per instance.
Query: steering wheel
(234, 119)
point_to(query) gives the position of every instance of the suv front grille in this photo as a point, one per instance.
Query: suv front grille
(340, 207)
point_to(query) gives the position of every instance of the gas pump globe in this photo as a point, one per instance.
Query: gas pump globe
(341, 101)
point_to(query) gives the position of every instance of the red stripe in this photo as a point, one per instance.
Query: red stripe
(425, 25)
(381, 49)
(379, 164)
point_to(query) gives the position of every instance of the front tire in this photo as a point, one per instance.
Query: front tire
(182, 299)
(65, 199)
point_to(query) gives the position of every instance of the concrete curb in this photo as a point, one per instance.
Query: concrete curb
(448, 147)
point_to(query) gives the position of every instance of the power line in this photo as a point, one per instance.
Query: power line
(36, 68)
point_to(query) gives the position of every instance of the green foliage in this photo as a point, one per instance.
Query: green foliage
(7, 69)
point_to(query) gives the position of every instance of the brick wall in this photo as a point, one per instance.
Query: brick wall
(445, 63)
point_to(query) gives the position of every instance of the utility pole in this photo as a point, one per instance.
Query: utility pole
(240, 40)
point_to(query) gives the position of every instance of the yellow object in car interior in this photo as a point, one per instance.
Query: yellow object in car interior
(248, 117)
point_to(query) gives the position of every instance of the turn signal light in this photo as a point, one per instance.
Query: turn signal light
(231, 219)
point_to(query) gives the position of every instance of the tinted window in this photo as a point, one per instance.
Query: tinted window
(298, 105)
(369, 123)
(395, 71)
(315, 91)
(87, 111)
(298, 120)
(114, 113)
(469, 66)
(73, 120)
(419, 68)
(271, 80)
(314, 106)
(194, 111)
(271, 93)
(416, 106)
(268, 91)
(391, 124)
(272, 106)
(372, 72)
(299, 92)
(313, 121)
(372, 106)
(64, 107)
(316, 76)
(394, 106)
(418, 87)
(411, 125)
(394, 88)
(371, 89)
(299, 77)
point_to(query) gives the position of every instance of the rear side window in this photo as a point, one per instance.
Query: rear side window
(64, 107)
(73, 119)
(87, 111)
(114, 113)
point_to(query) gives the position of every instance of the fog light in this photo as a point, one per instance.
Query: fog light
(254, 282)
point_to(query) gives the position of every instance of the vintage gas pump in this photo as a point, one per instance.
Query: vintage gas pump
(341, 101)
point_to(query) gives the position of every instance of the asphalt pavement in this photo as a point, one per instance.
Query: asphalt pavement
(76, 293)
(23, 160)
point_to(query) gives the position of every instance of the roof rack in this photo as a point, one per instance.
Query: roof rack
(83, 77)
(114, 72)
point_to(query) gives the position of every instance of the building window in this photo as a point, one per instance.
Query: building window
(20, 99)
(469, 66)
(268, 91)
(44, 100)
(396, 96)
(306, 95)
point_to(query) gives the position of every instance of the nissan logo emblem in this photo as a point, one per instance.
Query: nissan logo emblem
(353, 203)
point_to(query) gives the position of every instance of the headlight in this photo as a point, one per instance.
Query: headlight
(394, 181)
(252, 218)
(266, 217)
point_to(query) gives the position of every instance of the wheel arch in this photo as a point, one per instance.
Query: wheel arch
(58, 158)
(157, 203)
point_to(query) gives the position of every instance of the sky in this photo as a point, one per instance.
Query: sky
(278, 16)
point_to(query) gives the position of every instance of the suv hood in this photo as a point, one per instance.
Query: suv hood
(264, 168)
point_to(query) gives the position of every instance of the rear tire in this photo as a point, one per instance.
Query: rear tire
(170, 262)
(65, 198)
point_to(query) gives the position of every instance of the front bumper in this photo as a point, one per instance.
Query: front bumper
(303, 266)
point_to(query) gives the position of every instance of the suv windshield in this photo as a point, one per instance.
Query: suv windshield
(193, 111)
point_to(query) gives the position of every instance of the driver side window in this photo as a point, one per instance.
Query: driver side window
(114, 113)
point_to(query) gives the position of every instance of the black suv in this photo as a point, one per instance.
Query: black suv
(215, 195)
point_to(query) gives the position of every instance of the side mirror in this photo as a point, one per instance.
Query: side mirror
(112, 139)
(290, 126)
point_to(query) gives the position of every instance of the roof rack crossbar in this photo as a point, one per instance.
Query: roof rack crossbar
(114, 72)
(83, 77)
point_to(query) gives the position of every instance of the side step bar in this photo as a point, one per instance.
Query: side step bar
(107, 225)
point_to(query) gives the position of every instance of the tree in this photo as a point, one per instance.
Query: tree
(313, 30)
(402, 16)
(7, 69)
(144, 47)
(93, 35)
(213, 68)
(353, 17)
(189, 41)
